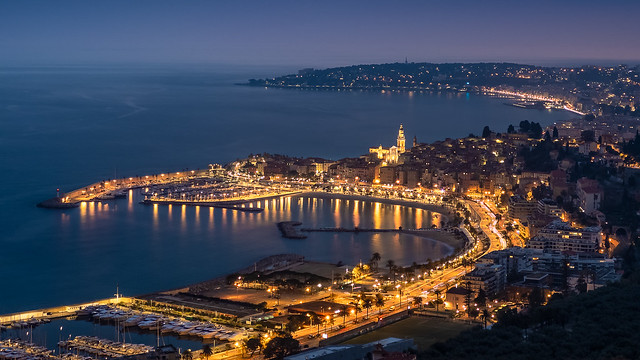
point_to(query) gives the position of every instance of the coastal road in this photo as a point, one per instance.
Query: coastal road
(488, 225)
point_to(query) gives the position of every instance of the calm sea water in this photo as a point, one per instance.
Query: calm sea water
(67, 127)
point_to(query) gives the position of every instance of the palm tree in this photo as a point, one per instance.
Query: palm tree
(374, 259)
(314, 318)
(417, 301)
(391, 265)
(438, 300)
(356, 307)
(367, 303)
(343, 310)
(187, 355)
(207, 351)
(379, 302)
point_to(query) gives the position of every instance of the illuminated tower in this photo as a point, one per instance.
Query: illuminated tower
(401, 140)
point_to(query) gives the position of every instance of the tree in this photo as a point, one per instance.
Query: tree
(375, 258)
(314, 319)
(417, 301)
(294, 323)
(486, 132)
(281, 346)
(187, 355)
(535, 131)
(555, 132)
(391, 265)
(253, 344)
(343, 310)
(511, 129)
(207, 351)
(473, 312)
(485, 316)
(547, 136)
(536, 298)
(379, 302)
(356, 307)
(438, 301)
(481, 299)
(581, 286)
(367, 303)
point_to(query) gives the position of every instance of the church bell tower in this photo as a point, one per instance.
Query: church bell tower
(400, 143)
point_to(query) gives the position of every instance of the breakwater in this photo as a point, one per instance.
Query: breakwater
(70, 199)
(288, 230)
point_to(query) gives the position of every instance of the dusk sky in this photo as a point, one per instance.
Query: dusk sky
(318, 33)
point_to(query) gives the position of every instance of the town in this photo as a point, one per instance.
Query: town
(586, 89)
(533, 213)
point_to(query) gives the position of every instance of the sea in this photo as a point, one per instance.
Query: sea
(66, 127)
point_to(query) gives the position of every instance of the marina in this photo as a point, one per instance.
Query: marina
(103, 348)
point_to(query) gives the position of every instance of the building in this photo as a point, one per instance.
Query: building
(549, 207)
(489, 277)
(391, 155)
(513, 259)
(561, 236)
(456, 298)
(388, 347)
(520, 209)
(388, 175)
(589, 194)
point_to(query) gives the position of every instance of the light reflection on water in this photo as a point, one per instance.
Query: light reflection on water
(149, 248)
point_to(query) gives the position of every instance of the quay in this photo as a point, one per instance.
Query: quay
(57, 312)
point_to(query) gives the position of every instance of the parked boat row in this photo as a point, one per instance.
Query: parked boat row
(111, 195)
(25, 323)
(163, 324)
(21, 350)
(103, 347)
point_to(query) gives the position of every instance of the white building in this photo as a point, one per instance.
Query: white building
(561, 236)
(590, 195)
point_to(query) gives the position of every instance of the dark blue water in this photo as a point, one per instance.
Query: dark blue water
(69, 127)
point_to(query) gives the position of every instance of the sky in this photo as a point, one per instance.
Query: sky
(318, 33)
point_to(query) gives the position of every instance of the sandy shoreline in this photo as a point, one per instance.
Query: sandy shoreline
(408, 203)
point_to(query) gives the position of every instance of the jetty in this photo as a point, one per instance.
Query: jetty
(288, 230)
(356, 230)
